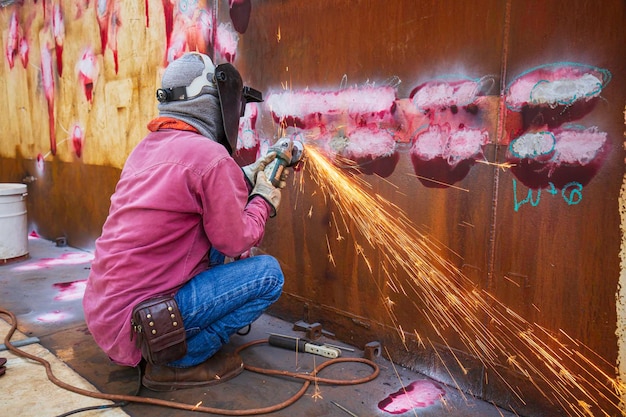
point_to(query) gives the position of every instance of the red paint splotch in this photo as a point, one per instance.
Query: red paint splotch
(47, 79)
(78, 137)
(87, 69)
(69, 291)
(12, 42)
(419, 394)
(240, 14)
(58, 30)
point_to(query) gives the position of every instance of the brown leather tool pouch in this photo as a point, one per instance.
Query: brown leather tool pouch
(159, 330)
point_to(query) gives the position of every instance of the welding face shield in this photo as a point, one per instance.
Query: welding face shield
(233, 96)
(233, 99)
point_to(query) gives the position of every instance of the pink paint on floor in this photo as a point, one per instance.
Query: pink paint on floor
(71, 258)
(69, 291)
(53, 317)
(419, 394)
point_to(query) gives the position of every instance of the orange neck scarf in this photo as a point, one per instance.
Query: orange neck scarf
(170, 123)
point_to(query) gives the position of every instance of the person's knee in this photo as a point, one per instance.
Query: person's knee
(274, 271)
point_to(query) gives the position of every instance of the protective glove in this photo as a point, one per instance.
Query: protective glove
(254, 168)
(264, 189)
(283, 179)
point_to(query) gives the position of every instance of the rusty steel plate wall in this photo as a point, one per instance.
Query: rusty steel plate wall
(524, 233)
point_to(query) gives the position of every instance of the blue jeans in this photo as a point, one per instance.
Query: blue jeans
(223, 299)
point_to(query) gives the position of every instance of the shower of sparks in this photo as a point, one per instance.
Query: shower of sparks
(395, 371)
(449, 301)
(502, 165)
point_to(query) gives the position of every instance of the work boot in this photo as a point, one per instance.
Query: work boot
(218, 368)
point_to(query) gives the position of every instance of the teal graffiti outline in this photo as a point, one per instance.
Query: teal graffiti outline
(578, 191)
(574, 188)
(527, 199)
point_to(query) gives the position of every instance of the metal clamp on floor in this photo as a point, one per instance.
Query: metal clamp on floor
(372, 350)
(313, 331)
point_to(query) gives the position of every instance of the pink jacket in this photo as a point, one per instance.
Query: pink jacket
(179, 194)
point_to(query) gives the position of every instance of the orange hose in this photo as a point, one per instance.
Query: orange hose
(182, 406)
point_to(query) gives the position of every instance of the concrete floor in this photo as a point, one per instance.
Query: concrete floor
(45, 292)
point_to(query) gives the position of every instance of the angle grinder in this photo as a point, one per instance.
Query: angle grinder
(288, 153)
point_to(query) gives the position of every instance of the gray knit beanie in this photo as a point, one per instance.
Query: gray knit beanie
(202, 112)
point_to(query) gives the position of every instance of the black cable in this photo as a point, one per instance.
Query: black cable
(245, 330)
(107, 406)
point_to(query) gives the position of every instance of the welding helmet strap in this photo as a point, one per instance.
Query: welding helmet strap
(230, 91)
(164, 95)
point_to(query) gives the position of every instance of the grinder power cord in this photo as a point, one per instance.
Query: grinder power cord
(121, 400)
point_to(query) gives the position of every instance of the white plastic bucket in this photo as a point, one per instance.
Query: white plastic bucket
(13, 224)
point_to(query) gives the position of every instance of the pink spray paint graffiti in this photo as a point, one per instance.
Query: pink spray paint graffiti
(445, 121)
(11, 49)
(47, 79)
(58, 30)
(353, 125)
(78, 139)
(442, 156)
(557, 157)
(24, 50)
(551, 95)
(81, 7)
(168, 16)
(24, 45)
(102, 15)
(109, 22)
(451, 139)
(418, 394)
(545, 150)
(226, 41)
(115, 21)
(248, 139)
(87, 69)
(189, 26)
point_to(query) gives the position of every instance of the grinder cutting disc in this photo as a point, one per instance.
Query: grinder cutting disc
(296, 153)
